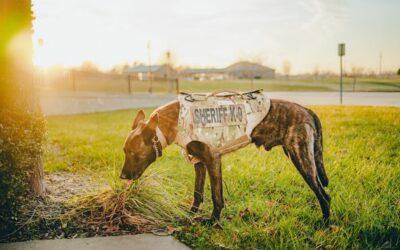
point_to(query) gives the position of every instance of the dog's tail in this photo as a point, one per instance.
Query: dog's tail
(318, 148)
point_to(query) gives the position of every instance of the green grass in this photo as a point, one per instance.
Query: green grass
(268, 205)
(293, 85)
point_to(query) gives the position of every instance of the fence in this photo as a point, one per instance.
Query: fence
(74, 80)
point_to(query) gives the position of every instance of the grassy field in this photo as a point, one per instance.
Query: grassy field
(293, 85)
(268, 205)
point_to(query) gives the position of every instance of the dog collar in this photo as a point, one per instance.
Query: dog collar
(159, 142)
(161, 138)
(157, 146)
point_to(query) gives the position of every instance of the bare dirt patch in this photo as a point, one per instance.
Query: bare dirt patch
(63, 186)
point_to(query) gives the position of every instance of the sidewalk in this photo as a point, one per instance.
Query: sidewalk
(132, 242)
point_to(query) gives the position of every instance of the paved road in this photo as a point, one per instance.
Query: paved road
(131, 242)
(88, 102)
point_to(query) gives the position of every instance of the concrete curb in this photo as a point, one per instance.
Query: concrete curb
(131, 242)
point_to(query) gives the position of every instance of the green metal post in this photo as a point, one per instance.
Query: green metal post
(341, 80)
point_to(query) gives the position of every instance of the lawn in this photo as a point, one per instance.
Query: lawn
(331, 84)
(268, 205)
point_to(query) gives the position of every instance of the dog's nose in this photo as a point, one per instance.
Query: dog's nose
(123, 176)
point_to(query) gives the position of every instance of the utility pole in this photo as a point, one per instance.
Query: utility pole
(149, 75)
(252, 77)
(168, 62)
(341, 53)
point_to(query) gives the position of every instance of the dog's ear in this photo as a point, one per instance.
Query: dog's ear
(153, 122)
(139, 117)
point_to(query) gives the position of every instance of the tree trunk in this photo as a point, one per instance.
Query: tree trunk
(36, 181)
(16, 71)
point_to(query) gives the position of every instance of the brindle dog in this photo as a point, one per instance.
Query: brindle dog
(296, 128)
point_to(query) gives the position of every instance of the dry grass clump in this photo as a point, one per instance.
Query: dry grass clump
(150, 202)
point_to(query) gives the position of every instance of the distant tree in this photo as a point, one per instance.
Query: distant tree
(328, 73)
(286, 68)
(56, 69)
(89, 66)
(168, 58)
(371, 73)
(120, 68)
(398, 72)
(356, 72)
(316, 71)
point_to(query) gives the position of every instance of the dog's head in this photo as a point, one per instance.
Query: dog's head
(139, 146)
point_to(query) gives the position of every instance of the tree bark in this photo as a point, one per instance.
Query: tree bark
(16, 71)
(36, 181)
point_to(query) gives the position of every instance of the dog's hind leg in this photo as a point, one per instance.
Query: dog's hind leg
(300, 146)
(200, 170)
(318, 148)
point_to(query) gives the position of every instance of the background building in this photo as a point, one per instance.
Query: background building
(249, 70)
(203, 74)
(142, 72)
(239, 70)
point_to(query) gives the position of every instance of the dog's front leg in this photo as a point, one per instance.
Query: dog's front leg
(198, 186)
(215, 173)
(212, 160)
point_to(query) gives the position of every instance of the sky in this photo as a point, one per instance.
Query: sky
(216, 33)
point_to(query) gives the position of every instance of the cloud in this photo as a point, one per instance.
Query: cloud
(324, 16)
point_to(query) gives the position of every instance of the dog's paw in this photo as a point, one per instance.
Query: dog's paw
(208, 222)
(326, 221)
(204, 220)
(194, 209)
